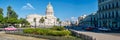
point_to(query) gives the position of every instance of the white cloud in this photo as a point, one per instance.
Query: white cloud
(74, 18)
(28, 6)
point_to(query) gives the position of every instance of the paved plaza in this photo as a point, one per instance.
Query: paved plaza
(4, 36)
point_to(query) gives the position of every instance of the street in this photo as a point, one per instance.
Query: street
(102, 36)
(97, 34)
(4, 36)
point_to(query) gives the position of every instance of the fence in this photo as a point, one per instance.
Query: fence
(82, 36)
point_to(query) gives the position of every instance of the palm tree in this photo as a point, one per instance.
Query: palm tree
(60, 23)
(35, 21)
(58, 20)
(42, 20)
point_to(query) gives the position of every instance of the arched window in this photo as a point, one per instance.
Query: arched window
(103, 7)
(109, 6)
(113, 14)
(109, 14)
(117, 15)
(99, 8)
(105, 15)
(113, 5)
(117, 4)
(101, 15)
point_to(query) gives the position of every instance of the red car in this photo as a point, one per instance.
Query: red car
(89, 28)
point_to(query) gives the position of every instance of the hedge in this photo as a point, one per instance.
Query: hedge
(52, 32)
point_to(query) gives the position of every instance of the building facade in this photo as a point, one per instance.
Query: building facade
(108, 13)
(80, 19)
(49, 18)
(89, 20)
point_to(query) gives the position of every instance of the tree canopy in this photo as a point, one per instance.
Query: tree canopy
(42, 20)
(1, 15)
(11, 17)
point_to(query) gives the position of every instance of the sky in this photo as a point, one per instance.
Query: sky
(63, 9)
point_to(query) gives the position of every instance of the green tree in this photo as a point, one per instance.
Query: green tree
(58, 20)
(42, 20)
(60, 23)
(11, 16)
(35, 21)
(1, 15)
(1, 11)
(11, 13)
(23, 22)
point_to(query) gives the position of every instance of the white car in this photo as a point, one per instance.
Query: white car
(104, 29)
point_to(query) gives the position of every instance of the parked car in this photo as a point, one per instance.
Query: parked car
(10, 28)
(104, 29)
(90, 28)
(116, 29)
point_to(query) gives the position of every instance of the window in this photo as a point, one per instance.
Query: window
(99, 1)
(105, 15)
(117, 15)
(100, 15)
(109, 14)
(99, 8)
(113, 14)
(117, 4)
(112, 5)
(109, 6)
(106, 6)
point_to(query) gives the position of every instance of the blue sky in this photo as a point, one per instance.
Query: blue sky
(63, 9)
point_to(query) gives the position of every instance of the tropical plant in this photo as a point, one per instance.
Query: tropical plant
(42, 20)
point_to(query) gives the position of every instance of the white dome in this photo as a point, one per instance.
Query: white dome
(49, 9)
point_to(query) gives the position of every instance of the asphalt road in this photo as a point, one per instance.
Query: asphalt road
(102, 36)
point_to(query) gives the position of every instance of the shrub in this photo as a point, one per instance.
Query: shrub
(59, 28)
(47, 32)
(66, 32)
(43, 31)
(59, 33)
(29, 30)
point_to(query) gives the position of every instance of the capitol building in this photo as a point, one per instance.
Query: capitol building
(49, 18)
